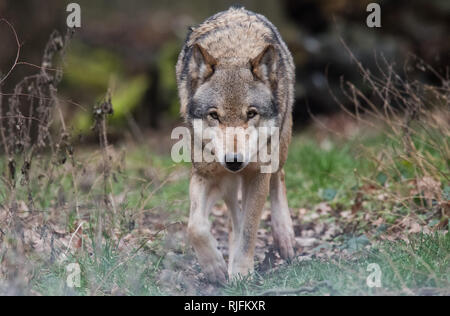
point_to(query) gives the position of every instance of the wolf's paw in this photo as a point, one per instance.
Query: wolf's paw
(285, 241)
(216, 270)
(240, 271)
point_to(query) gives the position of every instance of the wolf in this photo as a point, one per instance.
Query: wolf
(235, 70)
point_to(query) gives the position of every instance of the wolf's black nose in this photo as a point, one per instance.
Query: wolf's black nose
(234, 162)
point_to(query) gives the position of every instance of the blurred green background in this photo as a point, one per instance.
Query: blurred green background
(131, 47)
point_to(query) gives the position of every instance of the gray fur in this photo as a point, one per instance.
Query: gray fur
(233, 38)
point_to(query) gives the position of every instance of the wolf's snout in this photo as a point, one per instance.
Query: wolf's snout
(234, 162)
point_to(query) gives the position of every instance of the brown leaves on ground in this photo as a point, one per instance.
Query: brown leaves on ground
(428, 188)
(319, 232)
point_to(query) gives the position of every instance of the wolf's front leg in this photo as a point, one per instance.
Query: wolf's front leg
(255, 188)
(232, 188)
(203, 195)
(282, 228)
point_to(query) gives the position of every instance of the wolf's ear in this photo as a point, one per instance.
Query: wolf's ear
(204, 64)
(263, 66)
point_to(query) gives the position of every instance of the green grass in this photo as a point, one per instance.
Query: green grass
(421, 265)
(314, 174)
(110, 273)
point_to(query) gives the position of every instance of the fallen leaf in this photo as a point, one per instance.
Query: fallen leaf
(357, 205)
(323, 208)
(306, 242)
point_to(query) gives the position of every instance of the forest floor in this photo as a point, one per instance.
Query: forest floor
(124, 226)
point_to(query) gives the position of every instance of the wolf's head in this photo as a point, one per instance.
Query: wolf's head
(235, 95)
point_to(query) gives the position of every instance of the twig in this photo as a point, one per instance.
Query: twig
(71, 238)
(304, 289)
(18, 49)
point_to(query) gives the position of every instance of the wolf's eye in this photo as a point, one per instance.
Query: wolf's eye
(214, 115)
(251, 114)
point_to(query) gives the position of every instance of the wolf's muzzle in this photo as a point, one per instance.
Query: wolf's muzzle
(234, 162)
